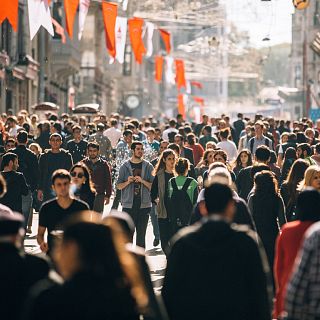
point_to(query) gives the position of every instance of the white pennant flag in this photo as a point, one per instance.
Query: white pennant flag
(39, 15)
(83, 11)
(125, 5)
(150, 29)
(121, 36)
(169, 75)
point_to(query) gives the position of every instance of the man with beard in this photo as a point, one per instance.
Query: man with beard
(50, 161)
(134, 181)
(100, 175)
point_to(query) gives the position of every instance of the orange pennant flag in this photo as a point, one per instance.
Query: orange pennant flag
(199, 100)
(181, 107)
(110, 11)
(180, 76)
(165, 35)
(135, 30)
(49, 1)
(70, 7)
(9, 10)
(197, 84)
(158, 68)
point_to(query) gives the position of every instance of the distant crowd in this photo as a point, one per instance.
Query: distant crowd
(234, 206)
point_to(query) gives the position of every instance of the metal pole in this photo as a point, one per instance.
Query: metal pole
(42, 49)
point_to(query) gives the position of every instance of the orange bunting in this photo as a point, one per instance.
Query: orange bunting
(59, 30)
(70, 7)
(199, 100)
(110, 11)
(165, 35)
(181, 106)
(135, 31)
(196, 84)
(9, 10)
(158, 68)
(180, 76)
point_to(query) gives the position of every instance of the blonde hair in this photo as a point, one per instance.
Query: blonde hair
(308, 177)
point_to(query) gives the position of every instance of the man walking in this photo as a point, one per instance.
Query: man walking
(28, 165)
(259, 139)
(15, 181)
(134, 181)
(50, 161)
(103, 141)
(215, 270)
(55, 211)
(77, 146)
(100, 175)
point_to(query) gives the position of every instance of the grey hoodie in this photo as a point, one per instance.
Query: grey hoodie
(125, 171)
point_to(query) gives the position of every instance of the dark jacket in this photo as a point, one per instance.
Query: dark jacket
(188, 154)
(83, 297)
(244, 182)
(43, 140)
(100, 175)
(215, 271)
(28, 165)
(18, 273)
(16, 188)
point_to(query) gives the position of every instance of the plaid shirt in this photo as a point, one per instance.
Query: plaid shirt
(303, 292)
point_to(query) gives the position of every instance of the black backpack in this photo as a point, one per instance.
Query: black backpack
(180, 204)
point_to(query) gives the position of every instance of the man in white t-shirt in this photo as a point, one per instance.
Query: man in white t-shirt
(113, 133)
(169, 133)
(228, 146)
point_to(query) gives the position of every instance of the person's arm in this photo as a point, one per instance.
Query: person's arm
(154, 189)
(42, 175)
(40, 239)
(35, 172)
(23, 184)
(108, 183)
(69, 162)
(122, 183)
(281, 213)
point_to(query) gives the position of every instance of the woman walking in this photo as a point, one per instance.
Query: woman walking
(243, 160)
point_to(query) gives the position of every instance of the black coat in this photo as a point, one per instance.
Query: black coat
(215, 271)
(84, 297)
(18, 273)
(188, 154)
(244, 182)
(28, 165)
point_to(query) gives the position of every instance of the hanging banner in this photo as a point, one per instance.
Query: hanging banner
(166, 37)
(70, 7)
(121, 37)
(149, 30)
(197, 84)
(158, 63)
(199, 100)
(169, 75)
(39, 15)
(135, 30)
(188, 87)
(9, 10)
(110, 11)
(59, 30)
(180, 75)
(125, 5)
(181, 105)
(83, 11)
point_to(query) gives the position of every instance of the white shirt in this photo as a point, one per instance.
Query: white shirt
(114, 135)
(14, 131)
(165, 134)
(230, 148)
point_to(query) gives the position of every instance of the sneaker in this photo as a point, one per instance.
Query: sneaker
(156, 242)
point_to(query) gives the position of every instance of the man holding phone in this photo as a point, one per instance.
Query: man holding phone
(134, 181)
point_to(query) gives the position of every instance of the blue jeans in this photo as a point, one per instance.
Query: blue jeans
(26, 207)
(154, 221)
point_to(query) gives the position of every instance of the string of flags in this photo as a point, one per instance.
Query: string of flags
(116, 28)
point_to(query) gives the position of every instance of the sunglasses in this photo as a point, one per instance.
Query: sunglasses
(78, 175)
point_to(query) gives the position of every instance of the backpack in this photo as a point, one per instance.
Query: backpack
(266, 142)
(180, 204)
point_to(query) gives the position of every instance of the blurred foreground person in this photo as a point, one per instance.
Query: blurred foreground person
(303, 295)
(95, 287)
(122, 227)
(18, 271)
(215, 270)
(289, 242)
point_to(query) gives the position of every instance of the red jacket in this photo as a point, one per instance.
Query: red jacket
(287, 248)
(100, 175)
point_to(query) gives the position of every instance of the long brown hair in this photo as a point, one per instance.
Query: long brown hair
(160, 164)
(88, 185)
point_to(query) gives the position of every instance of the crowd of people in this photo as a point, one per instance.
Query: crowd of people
(233, 204)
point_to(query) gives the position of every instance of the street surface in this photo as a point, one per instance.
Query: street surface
(155, 257)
